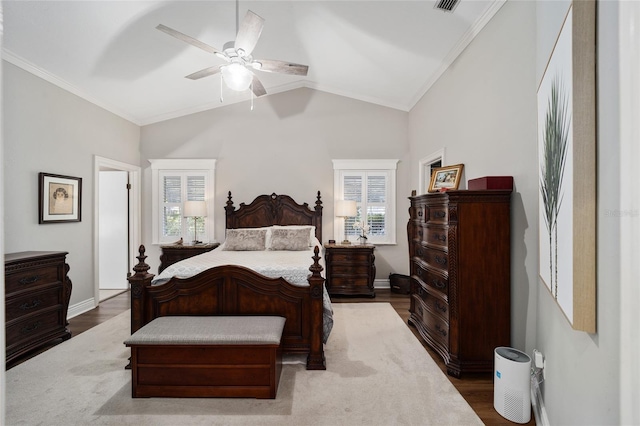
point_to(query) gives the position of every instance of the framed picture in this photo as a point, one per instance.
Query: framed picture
(444, 178)
(567, 168)
(59, 198)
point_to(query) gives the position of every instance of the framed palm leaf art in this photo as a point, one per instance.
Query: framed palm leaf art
(567, 168)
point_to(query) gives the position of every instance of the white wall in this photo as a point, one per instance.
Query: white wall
(285, 145)
(47, 129)
(483, 112)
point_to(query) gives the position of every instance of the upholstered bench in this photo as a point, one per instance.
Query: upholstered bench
(213, 356)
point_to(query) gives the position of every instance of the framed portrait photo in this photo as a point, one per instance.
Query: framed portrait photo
(444, 178)
(59, 198)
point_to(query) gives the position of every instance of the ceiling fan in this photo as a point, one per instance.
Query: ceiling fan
(237, 73)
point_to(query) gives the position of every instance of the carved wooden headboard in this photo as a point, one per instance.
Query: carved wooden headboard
(268, 210)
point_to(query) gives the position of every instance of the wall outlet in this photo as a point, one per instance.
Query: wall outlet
(538, 359)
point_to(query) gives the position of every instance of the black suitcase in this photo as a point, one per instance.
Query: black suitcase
(399, 283)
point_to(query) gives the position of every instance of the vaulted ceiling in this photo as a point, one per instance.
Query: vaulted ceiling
(110, 52)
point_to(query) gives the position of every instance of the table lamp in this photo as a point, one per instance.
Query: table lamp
(195, 209)
(345, 209)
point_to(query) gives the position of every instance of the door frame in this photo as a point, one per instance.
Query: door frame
(135, 233)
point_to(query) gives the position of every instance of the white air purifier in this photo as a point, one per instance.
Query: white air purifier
(511, 384)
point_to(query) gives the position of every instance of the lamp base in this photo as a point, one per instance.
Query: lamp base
(345, 242)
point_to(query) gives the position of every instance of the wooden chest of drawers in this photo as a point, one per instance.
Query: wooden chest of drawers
(459, 249)
(37, 293)
(175, 253)
(351, 269)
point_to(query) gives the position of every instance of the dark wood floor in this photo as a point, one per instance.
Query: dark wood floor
(477, 389)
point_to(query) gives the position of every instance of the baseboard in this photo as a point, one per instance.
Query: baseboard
(383, 283)
(537, 403)
(81, 308)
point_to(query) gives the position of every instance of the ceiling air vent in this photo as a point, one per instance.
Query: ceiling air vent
(447, 5)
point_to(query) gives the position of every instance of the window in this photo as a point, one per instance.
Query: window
(173, 183)
(372, 185)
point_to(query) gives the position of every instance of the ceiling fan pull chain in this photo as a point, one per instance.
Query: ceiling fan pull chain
(252, 96)
(221, 100)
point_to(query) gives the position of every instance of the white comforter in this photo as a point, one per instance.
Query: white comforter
(293, 266)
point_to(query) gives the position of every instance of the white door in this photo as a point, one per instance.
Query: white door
(113, 233)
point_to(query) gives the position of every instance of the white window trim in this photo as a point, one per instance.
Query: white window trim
(424, 169)
(365, 165)
(205, 166)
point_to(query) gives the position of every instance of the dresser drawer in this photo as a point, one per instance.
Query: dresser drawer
(23, 280)
(26, 304)
(433, 301)
(431, 280)
(350, 258)
(438, 213)
(31, 328)
(436, 235)
(436, 258)
(437, 327)
(349, 281)
(349, 269)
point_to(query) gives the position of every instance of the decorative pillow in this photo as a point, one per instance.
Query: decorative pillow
(245, 239)
(289, 239)
(310, 228)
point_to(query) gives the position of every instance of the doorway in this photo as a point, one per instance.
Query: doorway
(113, 233)
(117, 225)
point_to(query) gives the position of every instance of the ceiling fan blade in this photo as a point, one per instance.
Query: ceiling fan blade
(204, 73)
(249, 33)
(187, 39)
(282, 67)
(257, 87)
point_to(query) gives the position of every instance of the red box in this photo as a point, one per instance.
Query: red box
(491, 182)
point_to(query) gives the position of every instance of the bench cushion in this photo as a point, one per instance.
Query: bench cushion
(210, 330)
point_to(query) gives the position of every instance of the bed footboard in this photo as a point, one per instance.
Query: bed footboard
(235, 290)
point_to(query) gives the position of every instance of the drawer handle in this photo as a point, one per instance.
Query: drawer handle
(29, 328)
(441, 330)
(441, 260)
(34, 304)
(420, 291)
(441, 307)
(419, 272)
(419, 213)
(442, 238)
(440, 214)
(438, 284)
(420, 252)
(420, 232)
(29, 280)
(420, 311)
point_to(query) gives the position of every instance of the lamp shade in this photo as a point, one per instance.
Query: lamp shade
(346, 208)
(237, 77)
(195, 209)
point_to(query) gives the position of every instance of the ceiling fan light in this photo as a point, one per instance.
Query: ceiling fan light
(256, 65)
(237, 77)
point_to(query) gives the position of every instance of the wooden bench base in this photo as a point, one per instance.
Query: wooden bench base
(207, 357)
(244, 371)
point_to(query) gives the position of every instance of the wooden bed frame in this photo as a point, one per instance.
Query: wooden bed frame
(235, 290)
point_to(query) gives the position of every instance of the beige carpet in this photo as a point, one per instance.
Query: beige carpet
(377, 374)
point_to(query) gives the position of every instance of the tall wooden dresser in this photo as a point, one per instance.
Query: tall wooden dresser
(459, 251)
(37, 293)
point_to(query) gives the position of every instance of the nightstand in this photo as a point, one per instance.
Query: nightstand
(351, 269)
(175, 253)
